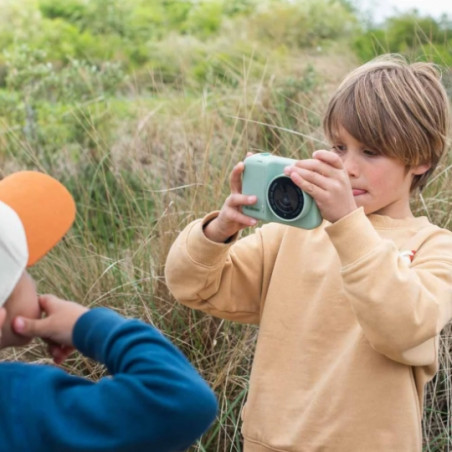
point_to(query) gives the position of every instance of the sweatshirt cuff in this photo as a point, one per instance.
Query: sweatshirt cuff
(353, 236)
(92, 329)
(203, 250)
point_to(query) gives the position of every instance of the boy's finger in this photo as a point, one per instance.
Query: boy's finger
(315, 166)
(238, 200)
(245, 220)
(328, 157)
(235, 180)
(59, 353)
(306, 182)
(28, 327)
(45, 301)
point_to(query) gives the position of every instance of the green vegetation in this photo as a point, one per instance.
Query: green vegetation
(410, 34)
(142, 109)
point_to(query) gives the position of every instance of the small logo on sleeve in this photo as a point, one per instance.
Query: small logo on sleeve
(407, 256)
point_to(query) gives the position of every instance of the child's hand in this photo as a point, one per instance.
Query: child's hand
(326, 180)
(231, 219)
(55, 328)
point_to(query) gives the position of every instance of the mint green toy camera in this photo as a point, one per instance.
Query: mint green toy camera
(278, 198)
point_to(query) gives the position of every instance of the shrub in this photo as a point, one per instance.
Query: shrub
(71, 11)
(410, 34)
(32, 73)
(302, 24)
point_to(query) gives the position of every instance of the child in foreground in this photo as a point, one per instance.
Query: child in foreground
(349, 313)
(154, 399)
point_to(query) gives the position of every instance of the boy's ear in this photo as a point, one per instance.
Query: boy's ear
(2, 321)
(2, 316)
(420, 169)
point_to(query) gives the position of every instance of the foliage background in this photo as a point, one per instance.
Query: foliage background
(142, 108)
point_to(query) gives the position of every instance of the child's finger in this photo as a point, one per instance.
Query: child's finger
(47, 301)
(306, 181)
(235, 179)
(238, 200)
(29, 327)
(59, 353)
(313, 166)
(328, 157)
(241, 218)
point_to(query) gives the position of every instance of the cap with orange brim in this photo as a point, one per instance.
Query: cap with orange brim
(36, 211)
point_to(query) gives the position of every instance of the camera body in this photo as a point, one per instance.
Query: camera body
(278, 198)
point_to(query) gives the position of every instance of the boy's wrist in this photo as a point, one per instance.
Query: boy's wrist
(213, 233)
(201, 249)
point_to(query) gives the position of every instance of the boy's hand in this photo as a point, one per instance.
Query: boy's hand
(55, 327)
(326, 180)
(231, 219)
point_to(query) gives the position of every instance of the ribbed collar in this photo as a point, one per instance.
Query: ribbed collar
(384, 222)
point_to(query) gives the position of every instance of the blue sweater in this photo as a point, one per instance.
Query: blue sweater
(155, 401)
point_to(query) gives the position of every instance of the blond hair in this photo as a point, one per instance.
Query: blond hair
(396, 108)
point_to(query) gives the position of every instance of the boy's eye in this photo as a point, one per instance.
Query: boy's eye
(338, 148)
(371, 153)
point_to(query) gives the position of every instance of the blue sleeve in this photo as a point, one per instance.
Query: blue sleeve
(154, 399)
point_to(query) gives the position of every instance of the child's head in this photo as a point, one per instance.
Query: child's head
(396, 108)
(35, 213)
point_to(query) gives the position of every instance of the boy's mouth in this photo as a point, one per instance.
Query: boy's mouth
(358, 191)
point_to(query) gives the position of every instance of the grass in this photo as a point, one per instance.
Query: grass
(139, 180)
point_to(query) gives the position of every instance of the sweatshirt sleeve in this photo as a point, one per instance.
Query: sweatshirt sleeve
(154, 399)
(401, 307)
(226, 280)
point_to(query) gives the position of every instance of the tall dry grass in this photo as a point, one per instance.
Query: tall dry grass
(169, 165)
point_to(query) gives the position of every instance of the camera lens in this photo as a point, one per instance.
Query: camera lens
(285, 198)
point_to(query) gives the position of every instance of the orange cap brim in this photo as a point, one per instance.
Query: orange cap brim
(45, 207)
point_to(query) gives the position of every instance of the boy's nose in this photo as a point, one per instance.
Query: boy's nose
(351, 165)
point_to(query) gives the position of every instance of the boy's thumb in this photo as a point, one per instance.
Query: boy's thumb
(26, 327)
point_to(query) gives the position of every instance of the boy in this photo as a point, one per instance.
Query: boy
(154, 400)
(349, 312)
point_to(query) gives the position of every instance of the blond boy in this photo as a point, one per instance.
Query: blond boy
(349, 313)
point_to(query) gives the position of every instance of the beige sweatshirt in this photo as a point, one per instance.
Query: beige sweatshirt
(348, 325)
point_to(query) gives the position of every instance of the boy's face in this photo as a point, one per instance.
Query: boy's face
(380, 184)
(22, 301)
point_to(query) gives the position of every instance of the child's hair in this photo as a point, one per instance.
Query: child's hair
(396, 108)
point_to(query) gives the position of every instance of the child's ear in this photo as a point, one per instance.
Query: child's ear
(420, 169)
(2, 321)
